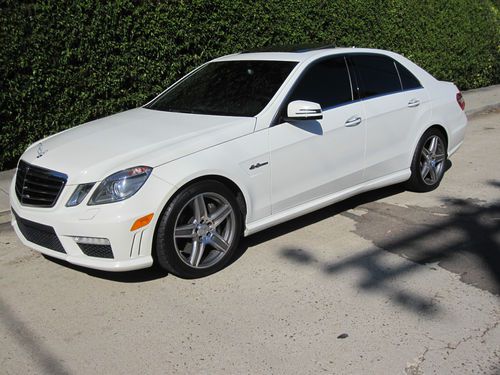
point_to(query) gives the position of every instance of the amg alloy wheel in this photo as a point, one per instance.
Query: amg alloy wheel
(429, 161)
(199, 230)
(432, 159)
(204, 230)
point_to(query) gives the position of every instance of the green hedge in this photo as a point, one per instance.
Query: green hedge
(66, 62)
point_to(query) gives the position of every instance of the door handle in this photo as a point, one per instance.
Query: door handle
(413, 103)
(353, 121)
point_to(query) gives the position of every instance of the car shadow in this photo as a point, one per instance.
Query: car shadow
(314, 217)
(319, 215)
(324, 213)
(310, 126)
(38, 349)
(138, 276)
(462, 238)
(155, 272)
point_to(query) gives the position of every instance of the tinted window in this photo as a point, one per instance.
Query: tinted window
(326, 82)
(378, 75)
(408, 80)
(228, 88)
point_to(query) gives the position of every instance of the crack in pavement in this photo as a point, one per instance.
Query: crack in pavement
(470, 337)
(415, 367)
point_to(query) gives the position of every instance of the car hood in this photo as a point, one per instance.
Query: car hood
(140, 136)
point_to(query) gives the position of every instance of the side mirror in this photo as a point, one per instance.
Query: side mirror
(303, 110)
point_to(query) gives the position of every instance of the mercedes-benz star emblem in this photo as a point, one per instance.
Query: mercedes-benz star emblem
(40, 150)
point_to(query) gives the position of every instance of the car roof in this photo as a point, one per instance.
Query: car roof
(295, 53)
(297, 48)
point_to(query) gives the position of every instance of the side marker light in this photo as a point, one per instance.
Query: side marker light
(141, 222)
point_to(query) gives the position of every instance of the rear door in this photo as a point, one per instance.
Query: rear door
(392, 112)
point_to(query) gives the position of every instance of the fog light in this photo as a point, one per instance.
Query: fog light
(92, 240)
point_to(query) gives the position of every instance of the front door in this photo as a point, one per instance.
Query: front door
(311, 159)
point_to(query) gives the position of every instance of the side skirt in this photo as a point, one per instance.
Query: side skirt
(305, 208)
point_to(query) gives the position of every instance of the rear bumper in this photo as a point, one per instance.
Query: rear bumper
(457, 133)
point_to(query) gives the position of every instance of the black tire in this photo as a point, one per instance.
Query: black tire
(417, 182)
(168, 253)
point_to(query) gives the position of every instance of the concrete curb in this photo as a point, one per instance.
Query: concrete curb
(471, 113)
(487, 108)
(5, 217)
(481, 100)
(482, 89)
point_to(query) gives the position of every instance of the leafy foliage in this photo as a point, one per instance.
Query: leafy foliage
(66, 62)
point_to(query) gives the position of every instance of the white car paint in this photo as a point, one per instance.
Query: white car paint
(135, 137)
(336, 164)
(308, 168)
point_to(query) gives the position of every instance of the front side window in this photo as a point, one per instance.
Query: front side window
(226, 88)
(326, 82)
(377, 75)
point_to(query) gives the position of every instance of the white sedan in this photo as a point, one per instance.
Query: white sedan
(240, 144)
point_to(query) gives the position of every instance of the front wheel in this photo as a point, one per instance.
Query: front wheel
(429, 161)
(199, 230)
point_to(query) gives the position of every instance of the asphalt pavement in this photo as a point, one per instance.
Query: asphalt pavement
(389, 282)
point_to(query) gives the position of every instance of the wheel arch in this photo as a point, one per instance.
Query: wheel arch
(416, 182)
(235, 189)
(240, 196)
(443, 130)
(437, 126)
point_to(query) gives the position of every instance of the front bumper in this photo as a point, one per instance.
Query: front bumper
(131, 250)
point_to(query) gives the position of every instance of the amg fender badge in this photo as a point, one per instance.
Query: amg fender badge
(258, 165)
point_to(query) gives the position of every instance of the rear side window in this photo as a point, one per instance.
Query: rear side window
(325, 82)
(408, 80)
(377, 75)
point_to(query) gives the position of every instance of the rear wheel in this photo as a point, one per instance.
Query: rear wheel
(199, 230)
(429, 161)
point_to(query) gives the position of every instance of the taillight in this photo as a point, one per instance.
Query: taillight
(460, 100)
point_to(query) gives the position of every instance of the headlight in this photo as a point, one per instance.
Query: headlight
(79, 194)
(120, 186)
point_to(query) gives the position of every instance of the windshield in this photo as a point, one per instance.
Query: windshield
(227, 88)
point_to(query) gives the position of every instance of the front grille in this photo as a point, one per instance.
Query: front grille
(36, 186)
(99, 251)
(39, 234)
